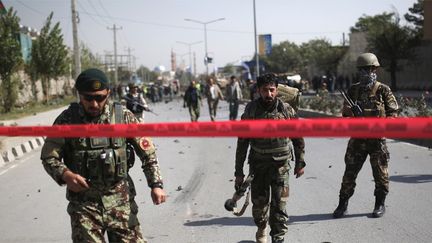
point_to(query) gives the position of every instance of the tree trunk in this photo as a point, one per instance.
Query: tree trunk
(45, 87)
(393, 66)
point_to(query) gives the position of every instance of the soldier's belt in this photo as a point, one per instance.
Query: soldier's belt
(270, 151)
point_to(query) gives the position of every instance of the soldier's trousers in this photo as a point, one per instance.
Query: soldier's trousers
(233, 109)
(90, 221)
(270, 191)
(355, 156)
(194, 111)
(212, 104)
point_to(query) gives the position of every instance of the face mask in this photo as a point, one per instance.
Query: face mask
(367, 78)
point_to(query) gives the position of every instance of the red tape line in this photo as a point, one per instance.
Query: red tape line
(329, 127)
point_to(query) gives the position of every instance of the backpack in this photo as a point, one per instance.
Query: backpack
(289, 95)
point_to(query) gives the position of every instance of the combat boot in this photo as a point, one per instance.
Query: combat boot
(277, 240)
(379, 209)
(261, 235)
(341, 209)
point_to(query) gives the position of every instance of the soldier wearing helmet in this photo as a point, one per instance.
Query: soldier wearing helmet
(375, 99)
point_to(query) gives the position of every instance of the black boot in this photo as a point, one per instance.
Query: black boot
(341, 208)
(379, 209)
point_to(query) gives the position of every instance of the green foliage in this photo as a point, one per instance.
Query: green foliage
(388, 40)
(393, 43)
(416, 16)
(372, 23)
(412, 107)
(322, 54)
(285, 57)
(146, 74)
(323, 102)
(49, 55)
(10, 58)
(88, 59)
(9, 92)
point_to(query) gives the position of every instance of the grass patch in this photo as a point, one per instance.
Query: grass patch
(33, 108)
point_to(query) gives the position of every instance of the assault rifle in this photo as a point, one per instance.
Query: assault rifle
(231, 204)
(134, 103)
(355, 108)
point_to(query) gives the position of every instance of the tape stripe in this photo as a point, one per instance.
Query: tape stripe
(327, 127)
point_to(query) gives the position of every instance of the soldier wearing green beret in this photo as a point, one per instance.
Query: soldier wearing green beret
(95, 170)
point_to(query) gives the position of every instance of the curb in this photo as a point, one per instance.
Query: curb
(19, 150)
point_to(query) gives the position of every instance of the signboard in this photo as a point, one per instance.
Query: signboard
(265, 44)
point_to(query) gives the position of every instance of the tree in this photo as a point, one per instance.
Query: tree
(393, 44)
(285, 57)
(322, 55)
(88, 59)
(372, 23)
(10, 58)
(146, 74)
(416, 16)
(388, 40)
(49, 55)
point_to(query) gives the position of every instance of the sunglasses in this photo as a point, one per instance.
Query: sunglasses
(98, 98)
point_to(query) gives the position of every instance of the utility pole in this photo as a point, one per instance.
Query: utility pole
(194, 65)
(114, 29)
(76, 49)
(129, 50)
(206, 57)
(256, 44)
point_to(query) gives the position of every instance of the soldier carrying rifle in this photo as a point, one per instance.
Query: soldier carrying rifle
(367, 98)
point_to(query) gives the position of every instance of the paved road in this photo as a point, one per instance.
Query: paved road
(32, 206)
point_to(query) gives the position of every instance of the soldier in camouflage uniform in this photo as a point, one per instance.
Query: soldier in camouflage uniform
(375, 100)
(95, 170)
(269, 162)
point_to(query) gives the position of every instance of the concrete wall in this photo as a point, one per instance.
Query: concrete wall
(25, 95)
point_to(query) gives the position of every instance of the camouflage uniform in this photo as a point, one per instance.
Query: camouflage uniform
(108, 205)
(375, 101)
(269, 162)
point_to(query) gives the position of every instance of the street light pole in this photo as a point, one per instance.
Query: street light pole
(190, 52)
(256, 44)
(205, 37)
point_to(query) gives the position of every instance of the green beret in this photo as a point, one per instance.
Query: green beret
(91, 80)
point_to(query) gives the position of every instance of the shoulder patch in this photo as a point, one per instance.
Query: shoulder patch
(145, 144)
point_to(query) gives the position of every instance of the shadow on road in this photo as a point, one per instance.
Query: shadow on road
(230, 221)
(293, 219)
(411, 178)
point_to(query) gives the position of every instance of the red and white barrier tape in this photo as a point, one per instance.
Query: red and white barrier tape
(329, 127)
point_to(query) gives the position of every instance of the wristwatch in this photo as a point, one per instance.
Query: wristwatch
(157, 184)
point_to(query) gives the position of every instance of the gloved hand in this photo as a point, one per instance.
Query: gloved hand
(238, 182)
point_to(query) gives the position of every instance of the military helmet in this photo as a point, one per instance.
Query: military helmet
(367, 59)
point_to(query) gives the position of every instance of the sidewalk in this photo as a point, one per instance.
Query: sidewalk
(12, 148)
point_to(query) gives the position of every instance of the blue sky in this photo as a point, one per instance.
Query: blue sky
(152, 28)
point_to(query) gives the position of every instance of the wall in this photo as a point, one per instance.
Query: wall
(25, 88)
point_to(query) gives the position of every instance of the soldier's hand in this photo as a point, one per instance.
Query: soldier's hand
(158, 195)
(74, 182)
(238, 182)
(298, 172)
